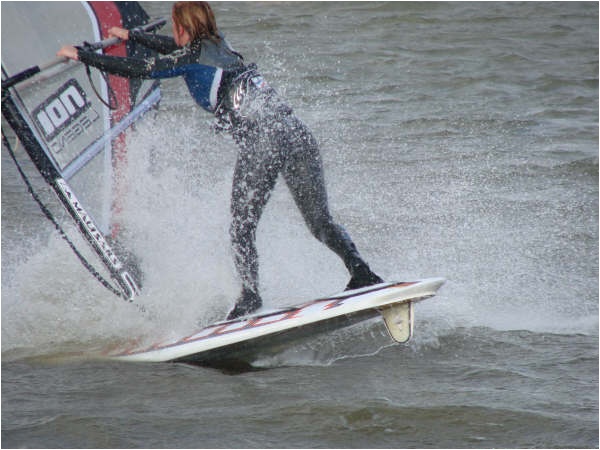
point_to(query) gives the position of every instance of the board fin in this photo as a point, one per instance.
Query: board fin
(399, 320)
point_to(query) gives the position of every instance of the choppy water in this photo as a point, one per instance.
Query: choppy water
(460, 140)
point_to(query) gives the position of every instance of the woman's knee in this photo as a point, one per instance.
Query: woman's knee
(322, 227)
(242, 231)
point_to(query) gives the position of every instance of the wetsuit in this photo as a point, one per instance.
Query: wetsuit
(271, 138)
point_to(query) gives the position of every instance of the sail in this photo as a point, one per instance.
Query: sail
(71, 120)
(80, 132)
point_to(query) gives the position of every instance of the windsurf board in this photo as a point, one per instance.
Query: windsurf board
(242, 341)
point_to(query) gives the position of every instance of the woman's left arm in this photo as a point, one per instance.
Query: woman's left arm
(123, 66)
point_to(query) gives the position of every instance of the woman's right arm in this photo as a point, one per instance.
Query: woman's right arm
(156, 42)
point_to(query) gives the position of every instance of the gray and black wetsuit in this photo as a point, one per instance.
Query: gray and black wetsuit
(271, 139)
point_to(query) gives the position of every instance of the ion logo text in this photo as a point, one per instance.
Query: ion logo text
(66, 110)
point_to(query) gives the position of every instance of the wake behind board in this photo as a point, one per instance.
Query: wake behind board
(240, 342)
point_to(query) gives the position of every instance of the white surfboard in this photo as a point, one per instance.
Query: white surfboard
(241, 341)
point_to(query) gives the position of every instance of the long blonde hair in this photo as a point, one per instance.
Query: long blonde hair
(198, 19)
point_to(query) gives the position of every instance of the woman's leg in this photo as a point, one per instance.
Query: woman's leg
(303, 172)
(254, 177)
